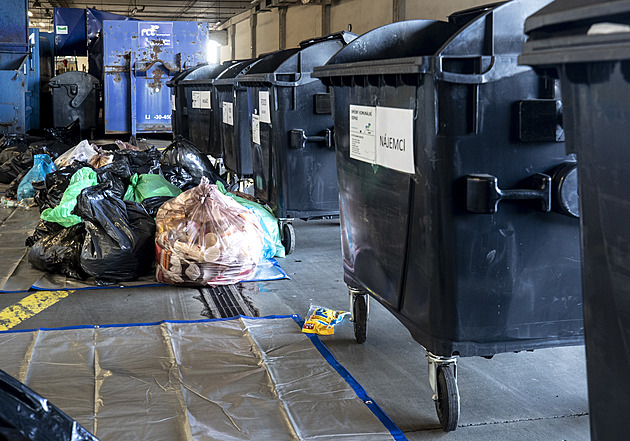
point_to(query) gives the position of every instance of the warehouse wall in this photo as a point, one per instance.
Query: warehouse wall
(243, 41)
(267, 31)
(360, 16)
(273, 30)
(303, 23)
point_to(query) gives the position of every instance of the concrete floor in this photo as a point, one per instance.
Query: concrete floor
(537, 395)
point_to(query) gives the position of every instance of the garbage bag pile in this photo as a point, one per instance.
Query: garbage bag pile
(120, 211)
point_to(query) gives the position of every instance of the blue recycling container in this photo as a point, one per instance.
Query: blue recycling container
(15, 62)
(139, 59)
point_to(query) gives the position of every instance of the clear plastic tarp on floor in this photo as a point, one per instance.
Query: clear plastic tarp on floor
(226, 379)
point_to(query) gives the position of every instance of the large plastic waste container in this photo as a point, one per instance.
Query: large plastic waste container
(201, 108)
(15, 98)
(178, 103)
(291, 124)
(75, 95)
(233, 120)
(458, 201)
(139, 59)
(586, 44)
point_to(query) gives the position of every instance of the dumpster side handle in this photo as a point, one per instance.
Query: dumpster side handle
(298, 138)
(483, 193)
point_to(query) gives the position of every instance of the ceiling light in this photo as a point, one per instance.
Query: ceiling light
(37, 4)
(30, 13)
(42, 24)
(47, 14)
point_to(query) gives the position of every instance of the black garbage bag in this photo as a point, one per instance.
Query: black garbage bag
(11, 191)
(19, 141)
(60, 252)
(179, 177)
(52, 147)
(42, 230)
(70, 134)
(23, 411)
(118, 173)
(48, 193)
(16, 165)
(9, 153)
(141, 162)
(119, 240)
(153, 204)
(181, 160)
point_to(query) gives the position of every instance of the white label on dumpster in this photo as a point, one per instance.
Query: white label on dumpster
(173, 103)
(201, 99)
(196, 99)
(62, 30)
(228, 113)
(263, 107)
(204, 98)
(363, 133)
(256, 129)
(394, 139)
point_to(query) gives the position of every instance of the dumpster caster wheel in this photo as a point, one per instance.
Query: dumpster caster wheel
(360, 316)
(447, 402)
(288, 238)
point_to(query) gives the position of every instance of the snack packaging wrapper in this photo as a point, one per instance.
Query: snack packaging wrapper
(322, 320)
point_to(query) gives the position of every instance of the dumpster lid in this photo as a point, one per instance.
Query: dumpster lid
(578, 31)
(228, 75)
(74, 78)
(206, 74)
(483, 50)
(345, 36)
(388, 49)
(297, 63)
(497, 31)
(461, 18)
(181, 75)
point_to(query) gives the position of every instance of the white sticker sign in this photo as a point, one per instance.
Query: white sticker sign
(263, 107)
(173, 103)
(256, 129)
(201, 99)
(362, 133)
(204, 99)
(62, 30)
(228, 113)
(382, 136)
(196, 99)
(394, 139)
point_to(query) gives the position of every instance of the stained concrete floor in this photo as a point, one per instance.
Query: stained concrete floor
(538, 395)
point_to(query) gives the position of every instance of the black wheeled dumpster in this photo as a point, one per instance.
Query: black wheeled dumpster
(458, 201)
(233, 115)
(291, 125)
(201, 109)
(178, 103)
(587, 45)
(75, 95)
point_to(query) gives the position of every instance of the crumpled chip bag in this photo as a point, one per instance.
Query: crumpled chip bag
(322, 320)
(206, 238)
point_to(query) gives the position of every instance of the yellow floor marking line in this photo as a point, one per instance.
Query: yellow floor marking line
(29, 306)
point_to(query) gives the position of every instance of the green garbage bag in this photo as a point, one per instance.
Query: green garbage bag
(62, 213)
(146, 186)
(272, 246)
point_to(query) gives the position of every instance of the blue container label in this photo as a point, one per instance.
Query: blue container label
(155, 34)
